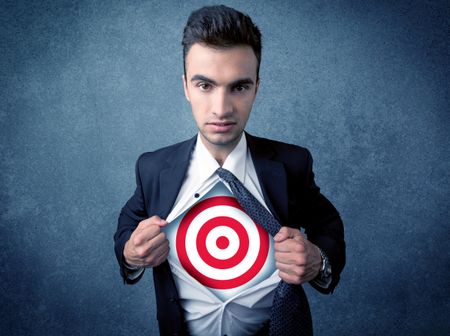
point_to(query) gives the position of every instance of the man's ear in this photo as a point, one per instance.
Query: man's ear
(256, 89)
(186, 93)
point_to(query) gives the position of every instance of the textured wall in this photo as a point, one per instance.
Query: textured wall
(86, 86)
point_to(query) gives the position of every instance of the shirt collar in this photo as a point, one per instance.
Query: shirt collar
(237, 159)
(205, 165)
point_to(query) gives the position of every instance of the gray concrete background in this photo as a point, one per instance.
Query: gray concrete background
(86, 86)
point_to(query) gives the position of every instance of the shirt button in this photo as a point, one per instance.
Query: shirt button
(197, 195)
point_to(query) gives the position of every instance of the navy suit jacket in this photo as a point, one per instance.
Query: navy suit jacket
(287, 182)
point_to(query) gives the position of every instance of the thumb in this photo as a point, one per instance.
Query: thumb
(156, 220)
(287, 233)
(283, 234)
(161, 222)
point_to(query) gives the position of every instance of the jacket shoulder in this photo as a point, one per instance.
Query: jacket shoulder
(283, 151)
(162, 156)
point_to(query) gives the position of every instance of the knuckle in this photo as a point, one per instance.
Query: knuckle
(155, 229)
(150, 260)
(299, 271)
(296, 281)
(284, 230)
(136, 240)
(299, 259)
(140, 252)
(299, 248)
(144, 222)
(280, 266)
(292, 279)
(154, 218)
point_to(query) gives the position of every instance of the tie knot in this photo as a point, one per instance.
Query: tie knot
(226, 175)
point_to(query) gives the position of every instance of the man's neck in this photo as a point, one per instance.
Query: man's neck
(220, 152)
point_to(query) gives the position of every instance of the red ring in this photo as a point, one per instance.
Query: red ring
(184, 258)
(222, 263)
(222, 242)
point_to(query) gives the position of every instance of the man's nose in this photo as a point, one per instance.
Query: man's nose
(222, 105)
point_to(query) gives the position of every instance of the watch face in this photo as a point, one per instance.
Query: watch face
(326, 267)
(327, 270)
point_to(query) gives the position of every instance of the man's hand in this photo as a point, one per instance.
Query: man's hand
(297, 259)
(147, 246)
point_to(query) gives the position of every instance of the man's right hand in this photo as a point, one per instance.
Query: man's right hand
(147, 246)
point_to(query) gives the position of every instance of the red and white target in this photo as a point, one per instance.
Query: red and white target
(219, 245)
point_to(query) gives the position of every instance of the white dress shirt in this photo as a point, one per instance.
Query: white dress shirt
(242, 313)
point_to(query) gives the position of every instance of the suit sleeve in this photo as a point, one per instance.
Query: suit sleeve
(131, 214)
(323, 226)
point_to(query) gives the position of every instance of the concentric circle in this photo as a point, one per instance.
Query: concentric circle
(219, 244)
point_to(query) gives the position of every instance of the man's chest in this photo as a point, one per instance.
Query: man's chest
(216, 246)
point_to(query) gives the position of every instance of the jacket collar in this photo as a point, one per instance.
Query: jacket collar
(271, 175)
(172, 177)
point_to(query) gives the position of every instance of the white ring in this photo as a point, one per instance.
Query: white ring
(230, 235)
(216, 273)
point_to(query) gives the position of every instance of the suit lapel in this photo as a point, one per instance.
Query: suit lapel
(172, 177)
(271, 176)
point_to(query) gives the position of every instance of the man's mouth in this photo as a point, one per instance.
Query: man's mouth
(222, 126)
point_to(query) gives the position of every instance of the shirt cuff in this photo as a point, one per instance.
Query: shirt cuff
(133, 272)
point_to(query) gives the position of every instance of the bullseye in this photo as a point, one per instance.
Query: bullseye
(219, 244)
(222, 242)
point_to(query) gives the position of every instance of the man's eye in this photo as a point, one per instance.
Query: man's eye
(240, 88)
(204, 86)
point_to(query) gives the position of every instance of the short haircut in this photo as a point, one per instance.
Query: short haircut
(221, 27)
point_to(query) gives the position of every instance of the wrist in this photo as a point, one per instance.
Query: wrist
(324, 277)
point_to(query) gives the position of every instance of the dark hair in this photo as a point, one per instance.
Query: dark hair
(222, 27)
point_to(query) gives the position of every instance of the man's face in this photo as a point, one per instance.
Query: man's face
(221, 86)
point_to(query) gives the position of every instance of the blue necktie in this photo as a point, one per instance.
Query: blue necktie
(290, 313)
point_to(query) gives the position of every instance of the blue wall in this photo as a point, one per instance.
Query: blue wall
(86, 86)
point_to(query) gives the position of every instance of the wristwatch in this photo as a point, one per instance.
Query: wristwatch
(325, 271)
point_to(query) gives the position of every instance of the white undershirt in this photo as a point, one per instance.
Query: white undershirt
(206, 314)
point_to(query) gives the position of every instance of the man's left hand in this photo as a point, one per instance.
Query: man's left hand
(297, 259)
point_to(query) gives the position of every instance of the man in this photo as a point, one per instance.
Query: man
(222, 54)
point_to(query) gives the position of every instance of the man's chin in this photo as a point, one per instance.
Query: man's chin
(223, 140)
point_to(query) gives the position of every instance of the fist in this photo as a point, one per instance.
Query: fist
(147, 246)
(297, 259)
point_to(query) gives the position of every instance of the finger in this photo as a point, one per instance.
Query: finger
(158, 256)
(286, 233)
(144, 234)
(290, 245)
(282, 234)
(147, 247)
(154, 220)
(156, 242)
(299, 237)
(298, 271)
(290, 258)
(290, 278)
(148, 257)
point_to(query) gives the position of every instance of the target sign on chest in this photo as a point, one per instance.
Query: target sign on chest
(220, 246)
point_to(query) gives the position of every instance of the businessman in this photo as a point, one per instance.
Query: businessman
(271, 182)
